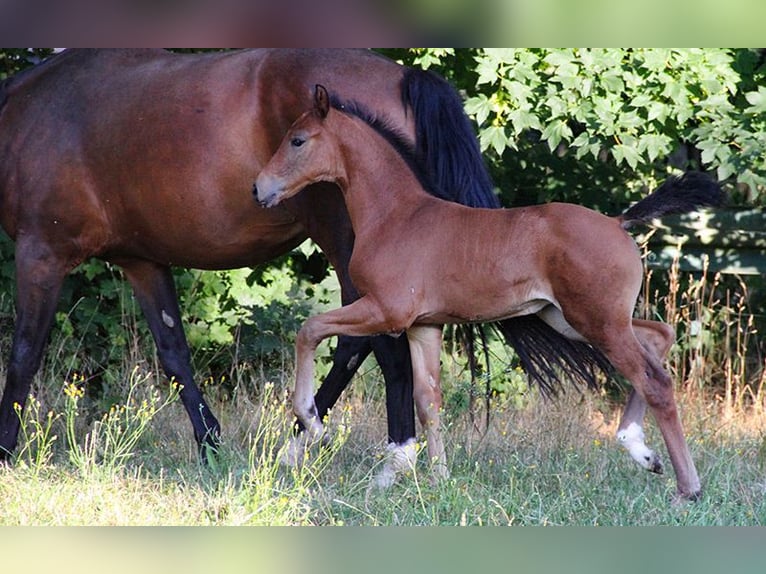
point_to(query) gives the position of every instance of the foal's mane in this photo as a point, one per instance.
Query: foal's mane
(396, 139)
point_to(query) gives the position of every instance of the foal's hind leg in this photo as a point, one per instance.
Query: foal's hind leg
(39, 276)
(156, 293)
(642, 368)
(656, 337)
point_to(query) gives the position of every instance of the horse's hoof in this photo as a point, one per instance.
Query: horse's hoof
(399, 458)
(209, 447)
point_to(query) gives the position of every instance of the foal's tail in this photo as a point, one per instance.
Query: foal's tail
(676, 195)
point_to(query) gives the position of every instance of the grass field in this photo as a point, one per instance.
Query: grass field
(550, 463)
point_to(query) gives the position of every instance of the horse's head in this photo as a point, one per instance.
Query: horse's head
(305, 156)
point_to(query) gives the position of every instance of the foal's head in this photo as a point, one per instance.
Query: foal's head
(307, 154)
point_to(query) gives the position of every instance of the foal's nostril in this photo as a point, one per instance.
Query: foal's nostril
(255, 191)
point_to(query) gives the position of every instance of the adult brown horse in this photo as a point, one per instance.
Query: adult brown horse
(421, 262)
(146, 159)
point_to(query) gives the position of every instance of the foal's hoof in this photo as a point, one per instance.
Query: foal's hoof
(682, 498)
(654, 464)
(399, 458)
(294, 452)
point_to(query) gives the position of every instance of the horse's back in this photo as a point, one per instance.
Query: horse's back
(114, 145)
(150, 153)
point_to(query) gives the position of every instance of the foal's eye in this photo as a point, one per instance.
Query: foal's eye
(297, 142)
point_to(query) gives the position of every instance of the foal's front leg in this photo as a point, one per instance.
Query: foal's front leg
(425, 349)
(361, 318)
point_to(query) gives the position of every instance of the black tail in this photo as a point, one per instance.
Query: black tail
(676, 195)
(445, 140)
(549, 359)
(446, 143)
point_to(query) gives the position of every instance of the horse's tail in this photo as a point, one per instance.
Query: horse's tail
(445, 141)
(551, 360)
(676, 195)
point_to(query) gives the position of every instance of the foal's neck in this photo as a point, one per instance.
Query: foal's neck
(378, 185)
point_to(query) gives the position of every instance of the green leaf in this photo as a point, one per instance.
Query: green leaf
(626, 153)
(487, 68)
(655, 145)
(495, 137)
(757, 101)
(478, 107)
(523, 119)
(555, 131)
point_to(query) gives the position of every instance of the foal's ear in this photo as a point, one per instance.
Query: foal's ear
(321, 101)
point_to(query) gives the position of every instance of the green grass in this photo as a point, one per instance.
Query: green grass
(550, 463)
(82, 459)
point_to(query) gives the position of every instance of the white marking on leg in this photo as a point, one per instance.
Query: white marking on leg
(632, 438)
(168, 320)
(353, 362)
(399, 458)
(294, 451)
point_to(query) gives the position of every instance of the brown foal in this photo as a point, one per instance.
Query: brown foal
(420, 262)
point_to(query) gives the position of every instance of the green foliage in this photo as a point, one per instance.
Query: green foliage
(594, 125)
(13, 60)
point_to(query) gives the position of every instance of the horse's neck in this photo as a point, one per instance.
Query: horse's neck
(379, 188)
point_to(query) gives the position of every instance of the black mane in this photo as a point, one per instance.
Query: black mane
(397, 140)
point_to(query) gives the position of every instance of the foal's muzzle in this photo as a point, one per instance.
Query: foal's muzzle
(256, 197)
(270, 201)
(265, 192)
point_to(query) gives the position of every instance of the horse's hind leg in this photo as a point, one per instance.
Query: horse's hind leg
(156, 293)
(39, 276)
(657, 338)
(393, 356)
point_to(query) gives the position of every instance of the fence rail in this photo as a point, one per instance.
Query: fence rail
(732, 241)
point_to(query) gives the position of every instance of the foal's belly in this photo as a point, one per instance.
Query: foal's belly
(482, 314)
